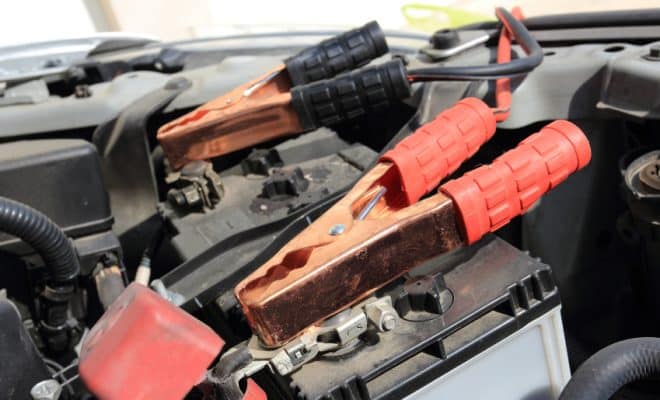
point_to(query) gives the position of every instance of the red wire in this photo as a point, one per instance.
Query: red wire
(503, 85)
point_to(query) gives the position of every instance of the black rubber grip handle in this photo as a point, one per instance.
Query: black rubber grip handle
(350, 95)
(337, 54)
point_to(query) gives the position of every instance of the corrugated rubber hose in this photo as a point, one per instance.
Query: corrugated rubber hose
(45, 237)
(613, 367)
(59, 255)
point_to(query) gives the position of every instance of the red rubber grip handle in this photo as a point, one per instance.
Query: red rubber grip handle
(488, 197)
(438, 148)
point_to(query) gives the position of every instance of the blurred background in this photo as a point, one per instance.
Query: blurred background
(41, 20)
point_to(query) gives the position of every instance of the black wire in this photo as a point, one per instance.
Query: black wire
(492, 71)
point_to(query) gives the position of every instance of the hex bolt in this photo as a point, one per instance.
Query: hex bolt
(176, 197)
(336, 229)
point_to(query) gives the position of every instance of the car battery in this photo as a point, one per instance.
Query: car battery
(482, 322)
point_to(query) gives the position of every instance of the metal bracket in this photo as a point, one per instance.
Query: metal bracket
(337, 332)
(196, 185)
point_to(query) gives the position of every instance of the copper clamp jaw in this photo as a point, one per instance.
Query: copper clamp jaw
(330, 261)
(257, 111)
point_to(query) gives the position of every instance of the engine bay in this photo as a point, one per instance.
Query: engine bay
(355, 215)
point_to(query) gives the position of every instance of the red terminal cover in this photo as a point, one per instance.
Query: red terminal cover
(488, 197)
(438, 148)
(144, 347)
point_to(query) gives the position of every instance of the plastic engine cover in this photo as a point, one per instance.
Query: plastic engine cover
(146, 348)
(59, 177)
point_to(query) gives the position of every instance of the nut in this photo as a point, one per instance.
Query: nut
(389, 322)
(382, 314)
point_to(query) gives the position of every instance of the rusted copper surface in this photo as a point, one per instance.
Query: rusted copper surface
(252, 113)
(317, 274)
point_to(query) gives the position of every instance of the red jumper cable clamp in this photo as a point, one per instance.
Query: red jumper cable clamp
(379, 230)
